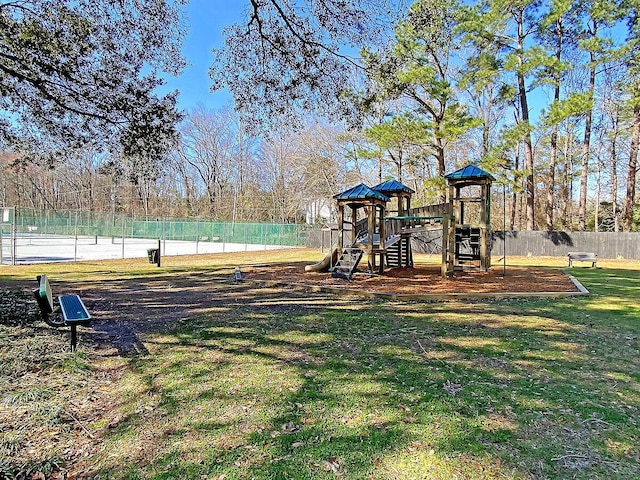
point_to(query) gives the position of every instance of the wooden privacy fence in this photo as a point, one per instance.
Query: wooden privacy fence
(537, 243)
(558, 244)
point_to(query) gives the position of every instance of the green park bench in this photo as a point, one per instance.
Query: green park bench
(70, 310)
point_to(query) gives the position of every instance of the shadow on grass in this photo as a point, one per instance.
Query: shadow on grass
(248, 381)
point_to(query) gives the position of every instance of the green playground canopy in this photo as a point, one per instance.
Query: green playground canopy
(361, 192)
(470, 172)
(392, 186)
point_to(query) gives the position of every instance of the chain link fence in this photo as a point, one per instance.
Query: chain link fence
(29, 234)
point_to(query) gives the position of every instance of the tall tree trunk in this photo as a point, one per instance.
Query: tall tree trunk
(553, 153)
(440, 158)
(564, 195)
(551, 178)
(142, 189)
(567, 182)
(486, 132)
(633, 167)
(489, 96)
(188, 194)
(211, 194)
(529, 187)
(586, 150)
(553, 158)
(521, 210)
(514, 195)
(596, 212)
(441, 166)
(3, 193)
(614, 171)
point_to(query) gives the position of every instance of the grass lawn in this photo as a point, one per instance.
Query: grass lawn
(238, 380)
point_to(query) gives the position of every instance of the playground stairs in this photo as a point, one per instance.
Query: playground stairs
(399, 253)
(347, 263)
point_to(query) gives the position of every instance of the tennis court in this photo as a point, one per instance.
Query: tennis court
(29, 235)
(60, 248)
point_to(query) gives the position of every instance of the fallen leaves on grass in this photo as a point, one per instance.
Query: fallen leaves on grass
(17, 308)
(452, 388)
(332, 465)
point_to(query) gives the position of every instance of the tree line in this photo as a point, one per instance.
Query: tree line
(543, 94)
(216, 171)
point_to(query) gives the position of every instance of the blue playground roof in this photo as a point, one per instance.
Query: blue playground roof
(470, 172)
(392, 186)
(361, 192)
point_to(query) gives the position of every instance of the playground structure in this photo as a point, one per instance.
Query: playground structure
(380, 223)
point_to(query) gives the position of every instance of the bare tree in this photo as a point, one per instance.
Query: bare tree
(209, 146)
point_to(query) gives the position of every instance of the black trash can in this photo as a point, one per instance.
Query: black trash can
(153, 255)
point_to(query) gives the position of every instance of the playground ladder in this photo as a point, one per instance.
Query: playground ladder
(347, 263)
(399, 254)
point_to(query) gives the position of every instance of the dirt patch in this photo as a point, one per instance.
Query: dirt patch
(425, 279)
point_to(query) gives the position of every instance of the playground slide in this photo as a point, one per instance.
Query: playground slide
(324, 264)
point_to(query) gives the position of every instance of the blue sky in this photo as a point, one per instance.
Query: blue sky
(205, 21)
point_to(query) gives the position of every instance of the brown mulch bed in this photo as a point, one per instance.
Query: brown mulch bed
(424, 279)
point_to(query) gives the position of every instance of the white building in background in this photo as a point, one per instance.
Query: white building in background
(319, 210)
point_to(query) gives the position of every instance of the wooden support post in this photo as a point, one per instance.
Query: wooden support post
(340, 227)
(445, 244)
(382, 239)
(371, 227)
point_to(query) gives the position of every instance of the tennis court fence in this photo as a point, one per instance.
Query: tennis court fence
(26, 232)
